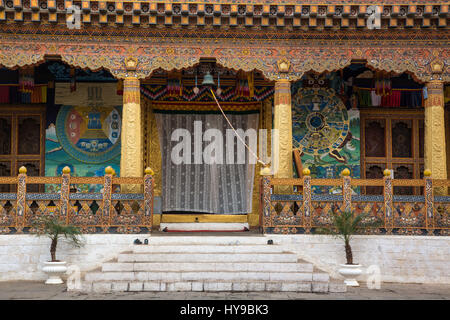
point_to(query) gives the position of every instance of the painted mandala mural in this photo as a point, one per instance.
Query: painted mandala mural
(325, 133)
(83, 131)
(90, 135)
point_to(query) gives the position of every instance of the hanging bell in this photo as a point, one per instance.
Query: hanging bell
(208, 80)
(196, 89)
(218, 91)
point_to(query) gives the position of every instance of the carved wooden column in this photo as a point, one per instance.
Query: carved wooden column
(388, 201)
(346, 190)
(21, 199)
(148, 198)
(64, 202)
(429, 202)
(435, 151)
(131, 155)
(307, 208)
(283, 123)
(264, 216)
(107, 191)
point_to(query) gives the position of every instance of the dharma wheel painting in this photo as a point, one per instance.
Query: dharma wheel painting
(326, 133)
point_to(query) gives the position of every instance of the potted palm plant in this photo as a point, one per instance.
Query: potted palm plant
(344, 225)
(54, 228)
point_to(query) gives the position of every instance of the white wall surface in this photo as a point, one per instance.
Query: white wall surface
(413, 259)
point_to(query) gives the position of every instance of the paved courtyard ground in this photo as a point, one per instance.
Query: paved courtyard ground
(24, 290)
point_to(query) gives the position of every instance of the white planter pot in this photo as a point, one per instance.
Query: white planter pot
(350, 272)
(54, 271)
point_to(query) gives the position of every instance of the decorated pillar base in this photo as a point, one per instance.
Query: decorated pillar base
(131, 164)
(435, 149)
(283, 123)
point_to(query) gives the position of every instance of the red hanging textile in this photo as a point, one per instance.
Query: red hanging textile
(4, 94)
(73, 80)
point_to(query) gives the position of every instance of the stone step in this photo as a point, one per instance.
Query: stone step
(219, 248)
(205, 226)
(225, 263)
(174, 239)
(207, 266)
(237, 286)
(336, 286)
(207, 257)
(206, 276)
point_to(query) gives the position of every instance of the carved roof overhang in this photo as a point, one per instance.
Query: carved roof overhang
(256, 14)
(171, 47)
(413, 55)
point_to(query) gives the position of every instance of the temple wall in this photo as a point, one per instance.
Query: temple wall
(413, 259)
(409, 259)
(22, 256)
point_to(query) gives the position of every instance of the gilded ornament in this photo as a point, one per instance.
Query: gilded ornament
(66, 170)
(437, 67)
(109, 170)
(283, 65)
(131, 63)
(265, 171)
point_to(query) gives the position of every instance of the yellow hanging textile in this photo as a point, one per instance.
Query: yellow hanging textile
(447, 94)
(119, 88)
(44, 94)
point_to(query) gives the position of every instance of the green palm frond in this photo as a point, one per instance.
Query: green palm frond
(347, 223)
(344, 225)
(54, 228)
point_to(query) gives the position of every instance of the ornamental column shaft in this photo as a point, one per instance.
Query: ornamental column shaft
(435, 151)
(131, 140)
(283, 123)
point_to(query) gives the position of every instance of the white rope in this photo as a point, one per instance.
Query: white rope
(237, 135)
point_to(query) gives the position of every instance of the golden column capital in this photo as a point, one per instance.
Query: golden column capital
(131, 79)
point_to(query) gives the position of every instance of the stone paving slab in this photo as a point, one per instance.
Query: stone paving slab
(24, 290)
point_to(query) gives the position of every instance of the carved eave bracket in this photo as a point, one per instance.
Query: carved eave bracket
(14, 59)
(288, 62)
(423, 68)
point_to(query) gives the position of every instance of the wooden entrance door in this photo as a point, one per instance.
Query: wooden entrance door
(392, 139)
(22, 138)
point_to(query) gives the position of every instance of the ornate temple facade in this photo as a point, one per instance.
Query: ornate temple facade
(90, 91)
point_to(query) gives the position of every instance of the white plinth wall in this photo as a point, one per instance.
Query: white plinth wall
(408, 259)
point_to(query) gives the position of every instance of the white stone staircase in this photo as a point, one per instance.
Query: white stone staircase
(205, 263)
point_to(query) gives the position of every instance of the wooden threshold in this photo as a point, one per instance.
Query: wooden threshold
(172, 218)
